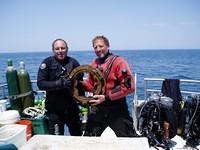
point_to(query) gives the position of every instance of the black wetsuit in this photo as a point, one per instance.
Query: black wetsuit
(61, 108)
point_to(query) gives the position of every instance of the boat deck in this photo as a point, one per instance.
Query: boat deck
(108, 141)
(54, 142)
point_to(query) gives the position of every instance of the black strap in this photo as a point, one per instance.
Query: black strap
(14, 97)
(109, 67)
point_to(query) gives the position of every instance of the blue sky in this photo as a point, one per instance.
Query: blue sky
(32, 25)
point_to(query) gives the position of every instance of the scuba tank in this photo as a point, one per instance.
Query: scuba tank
(25, 87)
(13, 86)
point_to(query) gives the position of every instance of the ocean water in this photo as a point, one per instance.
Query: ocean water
(179, 64)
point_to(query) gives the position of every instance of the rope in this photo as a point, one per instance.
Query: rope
(99, 89)
(14, 97)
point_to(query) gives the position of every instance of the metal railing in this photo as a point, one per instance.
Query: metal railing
(4, 89)
(148, 90)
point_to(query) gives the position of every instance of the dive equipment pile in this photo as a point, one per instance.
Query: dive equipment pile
(157, 120)
(191, 120)
(22, 98)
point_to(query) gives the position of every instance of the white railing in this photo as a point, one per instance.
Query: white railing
(148, 90)
(4, 89)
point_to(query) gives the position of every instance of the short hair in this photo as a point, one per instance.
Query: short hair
(106, 41)
(66, 45)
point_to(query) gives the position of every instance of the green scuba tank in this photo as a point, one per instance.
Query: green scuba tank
(84, 116)
(25, 87)
(13, 87)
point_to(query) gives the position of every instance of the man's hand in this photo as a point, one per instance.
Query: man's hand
(64, 83)
(97, 99)
(67, 83)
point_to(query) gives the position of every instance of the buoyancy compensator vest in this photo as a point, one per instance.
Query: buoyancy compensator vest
(156, 120)
(191, 120)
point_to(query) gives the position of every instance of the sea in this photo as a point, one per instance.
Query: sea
(171, 64)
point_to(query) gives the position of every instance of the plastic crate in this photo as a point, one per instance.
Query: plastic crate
(13, 134)
(39, 126)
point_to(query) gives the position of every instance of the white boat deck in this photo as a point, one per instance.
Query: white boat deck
(54, 142)
(108, 141)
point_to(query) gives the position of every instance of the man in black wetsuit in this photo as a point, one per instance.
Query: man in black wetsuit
(60, 106)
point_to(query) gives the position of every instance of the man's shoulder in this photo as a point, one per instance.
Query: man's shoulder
(120, 58)
(72, 59)
(49, 58)
(119, 61)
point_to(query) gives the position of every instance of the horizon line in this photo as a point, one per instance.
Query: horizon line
(39, 51)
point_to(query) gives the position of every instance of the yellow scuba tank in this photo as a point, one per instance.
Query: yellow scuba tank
(25, 87)
(13, 86)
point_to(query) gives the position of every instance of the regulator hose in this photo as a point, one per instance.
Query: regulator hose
(96, 73)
